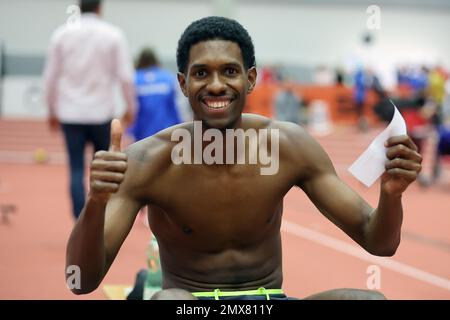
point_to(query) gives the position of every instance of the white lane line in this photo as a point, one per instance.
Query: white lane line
(358, 252)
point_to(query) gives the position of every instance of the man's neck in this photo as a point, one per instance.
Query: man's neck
(237, 124)
(199, 129)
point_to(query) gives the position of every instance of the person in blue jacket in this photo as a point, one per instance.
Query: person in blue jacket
(156, 91)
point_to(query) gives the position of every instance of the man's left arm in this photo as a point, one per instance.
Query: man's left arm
(376, 230)
(402, 167)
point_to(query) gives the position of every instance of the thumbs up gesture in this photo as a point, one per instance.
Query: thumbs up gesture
(108, 167)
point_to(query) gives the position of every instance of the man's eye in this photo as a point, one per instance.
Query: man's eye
(200, 73)
(230, 71)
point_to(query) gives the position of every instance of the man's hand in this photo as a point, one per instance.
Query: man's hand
(402, 167)
(108, 167)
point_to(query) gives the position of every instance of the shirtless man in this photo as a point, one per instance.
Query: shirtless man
(218, 225)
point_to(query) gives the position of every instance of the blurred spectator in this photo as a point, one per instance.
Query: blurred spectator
(157, 97)
(419, 79)
(361, 84)
(376, 85)
(402, 76)
(413, 77)
(444, 140)
(436, 91)
(84, 63)
(288, 105)
(339, 77)
(268, 74)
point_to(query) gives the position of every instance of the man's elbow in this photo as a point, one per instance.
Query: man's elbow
(82, 289)
(384, 250)
(79, 292)
(78, 285)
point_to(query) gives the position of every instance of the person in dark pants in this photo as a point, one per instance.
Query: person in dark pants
(79, 84)
(76, 137)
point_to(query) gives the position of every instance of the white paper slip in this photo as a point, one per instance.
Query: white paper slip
(371, 163)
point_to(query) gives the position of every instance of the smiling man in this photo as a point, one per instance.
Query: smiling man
(218, 225)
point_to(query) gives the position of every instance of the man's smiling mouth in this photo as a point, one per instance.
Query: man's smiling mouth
(217, 104)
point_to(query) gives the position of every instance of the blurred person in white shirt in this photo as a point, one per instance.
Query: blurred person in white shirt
(85, 62)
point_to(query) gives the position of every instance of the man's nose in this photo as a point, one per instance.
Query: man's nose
(216, 85)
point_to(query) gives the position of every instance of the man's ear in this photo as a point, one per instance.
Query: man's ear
(182, 81)
(251, 77)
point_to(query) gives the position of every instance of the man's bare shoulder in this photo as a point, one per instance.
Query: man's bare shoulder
(289, 133)
(292, 132)
(156, 146)
(298, 147)
(287, 129)
(255, 121)
(149, 159)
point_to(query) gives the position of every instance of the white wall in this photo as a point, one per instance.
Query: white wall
(286, 32)
(328, 34)
(26, 25)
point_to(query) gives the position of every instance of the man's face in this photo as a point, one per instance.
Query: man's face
(216, 82)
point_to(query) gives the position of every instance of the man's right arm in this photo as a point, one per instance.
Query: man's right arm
(107, 216)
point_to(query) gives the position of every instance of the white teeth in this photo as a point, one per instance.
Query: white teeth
(217, 104)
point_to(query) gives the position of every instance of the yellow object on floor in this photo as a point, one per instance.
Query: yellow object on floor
(117, 292)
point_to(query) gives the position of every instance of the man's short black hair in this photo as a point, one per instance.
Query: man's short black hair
(89, 5)
(215, 28)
